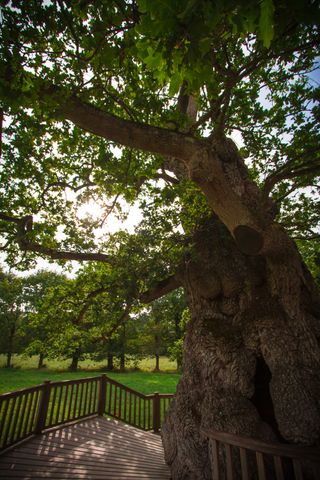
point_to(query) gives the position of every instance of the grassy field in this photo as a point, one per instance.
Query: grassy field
(147, 364)
(26, 375)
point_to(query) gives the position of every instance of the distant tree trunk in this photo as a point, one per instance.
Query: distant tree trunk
(110, 365)
(75, 361)
(8, 360)
(41, 360)
(251, 353)
(157, 367)
(10, 346)
(177, 320)
(179, 364)
(157, 343)
(122, 356)
(122, 359)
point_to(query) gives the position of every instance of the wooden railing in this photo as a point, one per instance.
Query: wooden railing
(235, 457)
(36, 409)
(19, 413)
(143, 411)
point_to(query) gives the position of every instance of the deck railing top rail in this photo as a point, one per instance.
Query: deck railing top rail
(128, 389)
(22, 391)
(74, 381)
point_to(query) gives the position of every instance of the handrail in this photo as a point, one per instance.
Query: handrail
(135, 408)
(288, 461)
(78, 380)
(33, 410)
(22, 391)
(124, 387)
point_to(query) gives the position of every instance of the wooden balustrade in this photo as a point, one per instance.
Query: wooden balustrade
(33, 410)
(18, 415)
(236, 457)
(72, 400)
(143, 411)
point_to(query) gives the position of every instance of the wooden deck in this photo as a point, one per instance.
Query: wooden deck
(96, 448)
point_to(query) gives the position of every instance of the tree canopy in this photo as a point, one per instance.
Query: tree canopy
(161, 79)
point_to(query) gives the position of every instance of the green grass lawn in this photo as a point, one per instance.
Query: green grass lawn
(147, 364)
(143, 381)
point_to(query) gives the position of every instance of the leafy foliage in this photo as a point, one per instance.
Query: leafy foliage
(11, 314)
(247, 65)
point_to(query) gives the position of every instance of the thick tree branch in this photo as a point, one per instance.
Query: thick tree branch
(24, 227)
(128, 133)
(166, 177)
(161, 289)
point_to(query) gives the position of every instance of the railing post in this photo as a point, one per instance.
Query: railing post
(43, 407)
(102, 395)
(156, 412)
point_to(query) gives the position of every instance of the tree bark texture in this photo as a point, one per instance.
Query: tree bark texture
(251, 354)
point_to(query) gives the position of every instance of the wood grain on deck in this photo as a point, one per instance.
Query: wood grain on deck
(97, 448)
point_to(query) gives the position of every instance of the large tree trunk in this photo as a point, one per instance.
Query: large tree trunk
(251, 354)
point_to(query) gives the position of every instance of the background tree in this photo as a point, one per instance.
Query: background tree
(175, 350)
(12, 315)
(35, 329)
(171, 82)
(161, 326)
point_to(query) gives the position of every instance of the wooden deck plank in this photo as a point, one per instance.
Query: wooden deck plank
(95, 449)
(91, 456)
(61, 462)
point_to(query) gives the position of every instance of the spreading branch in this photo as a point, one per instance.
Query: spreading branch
(25, 226)
(160, 289)
(289, 170)
(132, 134)
(61, 184)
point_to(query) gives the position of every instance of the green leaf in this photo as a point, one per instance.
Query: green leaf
(266, 22)
(175, 83)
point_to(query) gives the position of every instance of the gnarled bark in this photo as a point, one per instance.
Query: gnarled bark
(251, 354)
